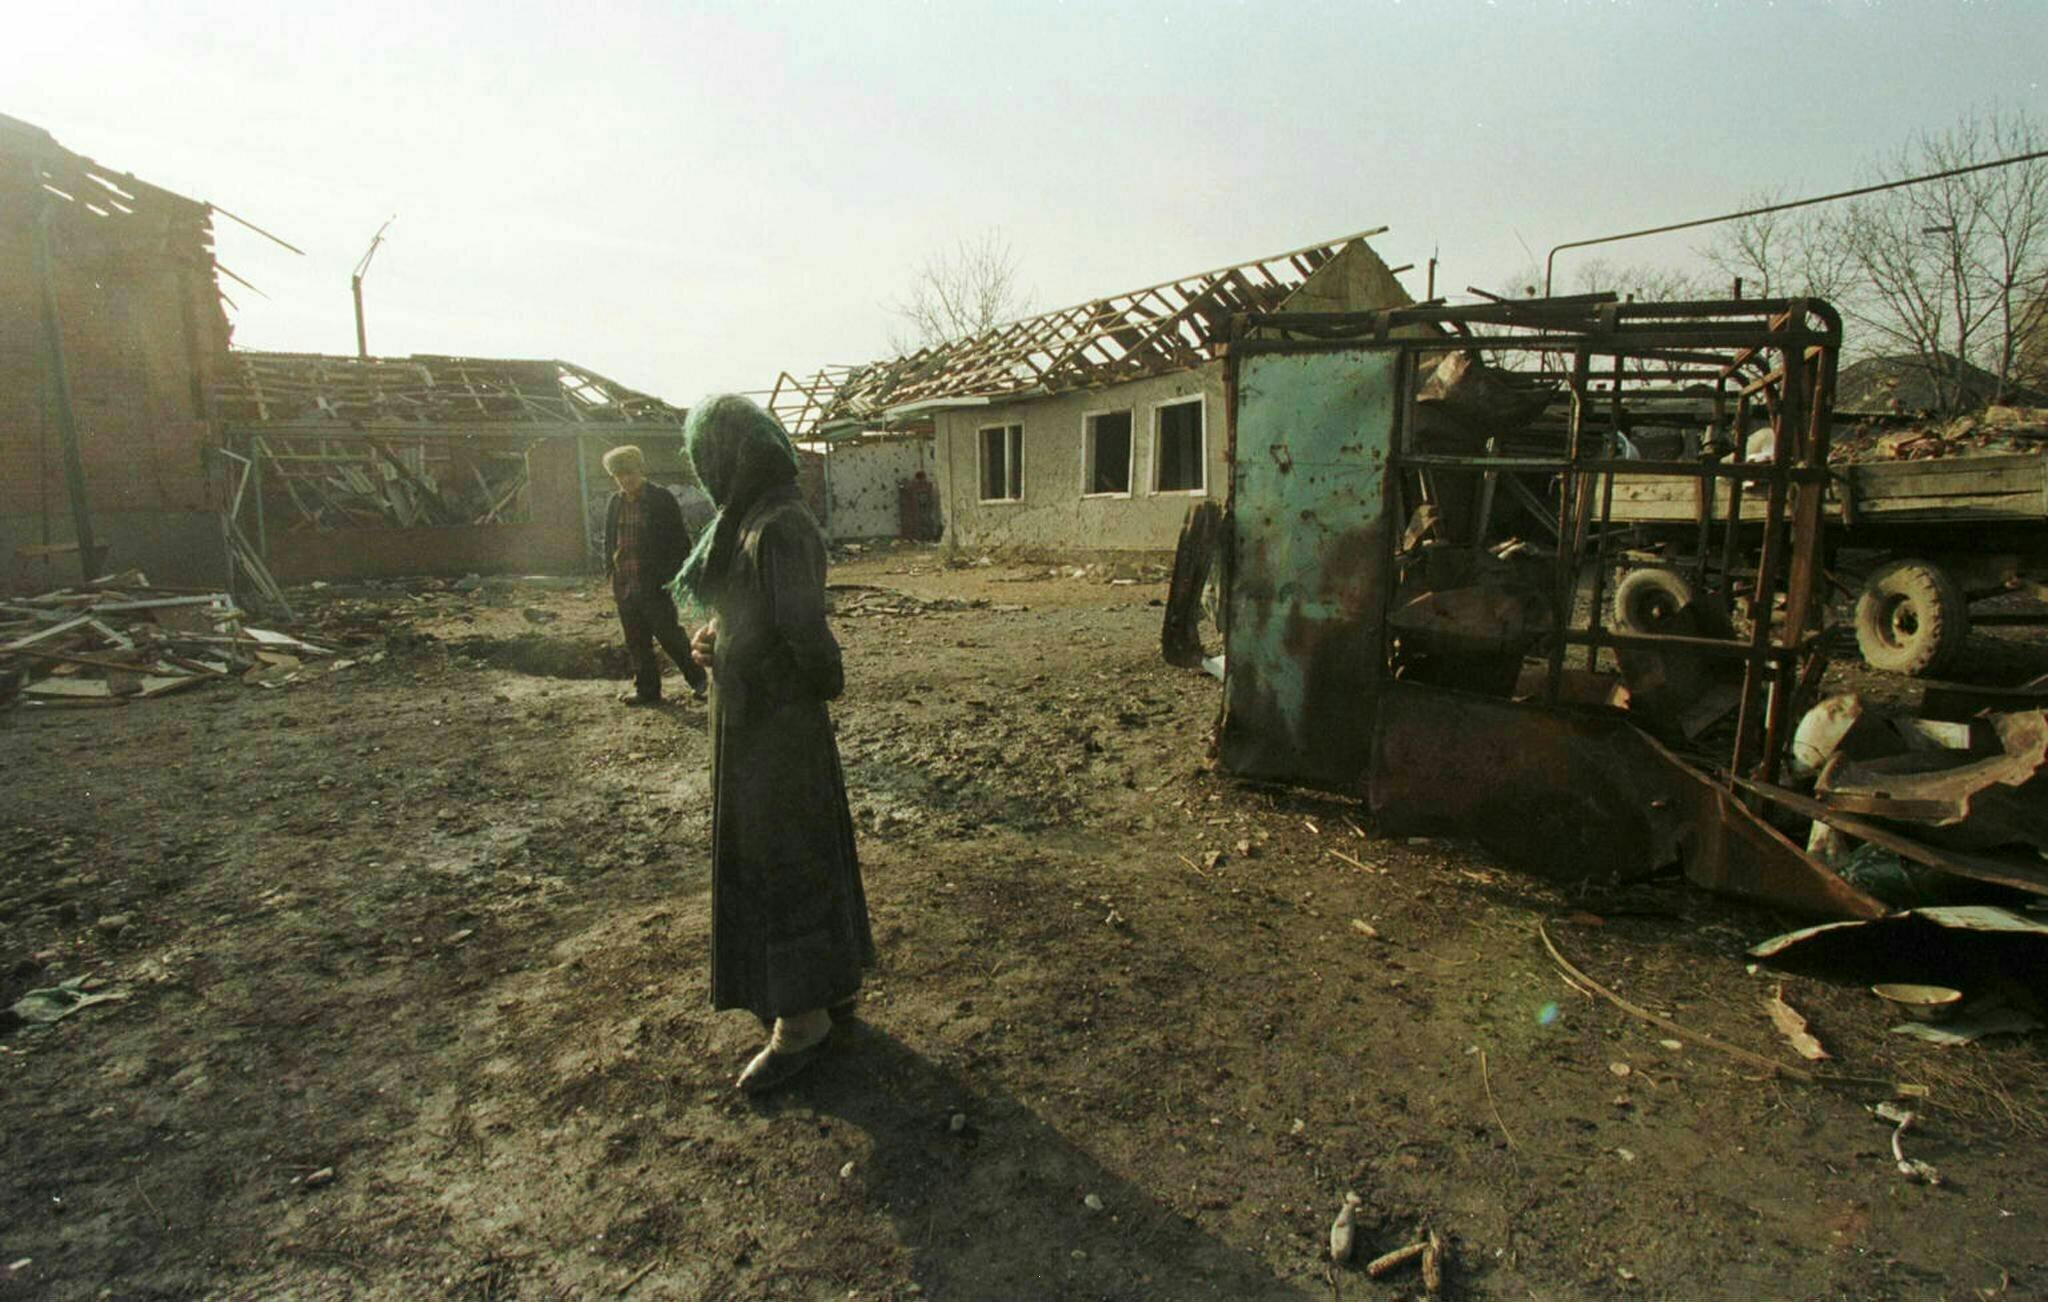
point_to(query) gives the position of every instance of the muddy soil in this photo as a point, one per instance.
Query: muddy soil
(413, 959)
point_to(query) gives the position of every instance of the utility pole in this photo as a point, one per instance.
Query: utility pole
(355, 284)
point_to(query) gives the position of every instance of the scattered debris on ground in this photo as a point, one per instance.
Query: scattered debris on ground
(119, 639)
(414, 965)
(853, 601)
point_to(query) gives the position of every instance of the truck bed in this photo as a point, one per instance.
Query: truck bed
(2007, 488)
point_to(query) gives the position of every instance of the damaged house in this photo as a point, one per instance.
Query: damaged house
(1089, 428)
(112, 332)
(133, 436)
(373, 467)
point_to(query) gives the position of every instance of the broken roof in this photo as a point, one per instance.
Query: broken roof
(1165, 327)
(457, 394)
(84, 187)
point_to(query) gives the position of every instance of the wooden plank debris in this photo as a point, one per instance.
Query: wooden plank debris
(123, 640)
(50, 632)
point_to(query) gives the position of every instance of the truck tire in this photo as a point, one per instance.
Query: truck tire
(1647, 600)
(1911, 619)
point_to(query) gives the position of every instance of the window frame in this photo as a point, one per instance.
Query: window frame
(1200, 402)
(1013, 450)
(1088, 452)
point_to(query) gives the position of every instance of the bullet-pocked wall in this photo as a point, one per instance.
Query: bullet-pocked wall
(1110, 469)
(864, 485)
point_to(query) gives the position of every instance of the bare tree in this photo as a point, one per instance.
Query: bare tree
(960, 294)
(1641, 282)
(1781, 254)
(1945, 271)
(2030, 352)
(1917, 252)
(2012, 256)
(1950, 272)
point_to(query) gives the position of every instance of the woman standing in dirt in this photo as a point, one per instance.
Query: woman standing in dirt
(789, 920)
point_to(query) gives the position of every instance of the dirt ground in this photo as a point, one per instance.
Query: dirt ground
(414, 966)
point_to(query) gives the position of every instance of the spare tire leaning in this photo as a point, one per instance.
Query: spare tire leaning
(1647, 600)
(1911, 619)
(1664, 682)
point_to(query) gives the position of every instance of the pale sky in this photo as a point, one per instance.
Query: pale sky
(689, 198)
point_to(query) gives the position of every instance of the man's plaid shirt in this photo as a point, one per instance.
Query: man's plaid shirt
(626, 544)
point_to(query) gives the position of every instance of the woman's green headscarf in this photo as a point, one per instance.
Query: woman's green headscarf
(740, 454)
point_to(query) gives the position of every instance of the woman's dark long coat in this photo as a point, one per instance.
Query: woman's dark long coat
(789, 920)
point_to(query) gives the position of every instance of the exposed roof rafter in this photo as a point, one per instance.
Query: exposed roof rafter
(266, 388)
(1164, 327)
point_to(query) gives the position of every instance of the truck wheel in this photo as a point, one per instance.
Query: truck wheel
(1647, 600)
(1911, 619)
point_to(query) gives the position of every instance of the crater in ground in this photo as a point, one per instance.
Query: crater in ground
(549, 657)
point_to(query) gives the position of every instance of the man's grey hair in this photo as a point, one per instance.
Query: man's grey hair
(624, 460)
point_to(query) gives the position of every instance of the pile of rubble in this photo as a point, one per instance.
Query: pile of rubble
(1994, 431)
(1927, 808)
(119, 639)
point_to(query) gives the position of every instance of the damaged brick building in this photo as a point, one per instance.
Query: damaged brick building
(112, 333)
(133, 437)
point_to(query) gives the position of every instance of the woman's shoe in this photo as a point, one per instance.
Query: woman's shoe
(770, 1069)
(792, 1045)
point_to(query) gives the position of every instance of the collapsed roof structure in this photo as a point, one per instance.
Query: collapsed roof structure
(467, 393)
(496, 456)
(1170, 326)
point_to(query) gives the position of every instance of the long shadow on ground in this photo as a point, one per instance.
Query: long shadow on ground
(1002, 1207)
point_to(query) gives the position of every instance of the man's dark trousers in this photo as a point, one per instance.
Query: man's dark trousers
(655, 541)
(648, 618)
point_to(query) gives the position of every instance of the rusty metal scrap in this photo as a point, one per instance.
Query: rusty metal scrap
(1342, 424)
(1578, 793)
(2019, 871)
(1307, 563)
(1955, 798)
(1193, 558)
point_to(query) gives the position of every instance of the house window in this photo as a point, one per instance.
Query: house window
(1107, 435)
(1002, 463)
(1179, 459)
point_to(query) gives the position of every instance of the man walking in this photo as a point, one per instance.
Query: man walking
(645, 541)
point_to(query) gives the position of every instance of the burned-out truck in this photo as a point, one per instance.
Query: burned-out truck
(1906, 546)
(1420, 550)
(1911, 543)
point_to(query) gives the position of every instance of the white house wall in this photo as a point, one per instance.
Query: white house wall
(1053, 513)
(862, 480)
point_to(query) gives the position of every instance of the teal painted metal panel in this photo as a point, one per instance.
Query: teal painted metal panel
(1308, 562)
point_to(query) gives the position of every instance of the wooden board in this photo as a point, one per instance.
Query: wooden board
(1668, 499)
(68, 687)
(1948, 491)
